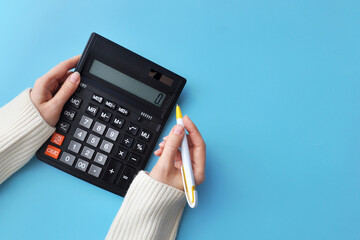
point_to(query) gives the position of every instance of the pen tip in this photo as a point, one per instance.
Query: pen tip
(178, 112)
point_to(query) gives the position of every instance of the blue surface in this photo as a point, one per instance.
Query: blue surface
(274, 87)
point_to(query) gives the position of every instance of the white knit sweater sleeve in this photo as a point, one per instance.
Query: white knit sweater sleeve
(151, 210)
(22, 132)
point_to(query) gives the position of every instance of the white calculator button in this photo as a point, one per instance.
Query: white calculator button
(80, 134)
(93, 140)
(94, 170)
(106, 146)
(112, 134)
(99, 128)
(87, 152)
(100, 158)
(81, 165)
(86, 122)
(74, 146)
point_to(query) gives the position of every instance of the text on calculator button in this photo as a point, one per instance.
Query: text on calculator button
(105, 116)
(144, 134)
(80, 134)
(97, 98)
(52, 151)
(94, 170)
(121, 153)
(139, 147)
(63, 126)
(99, 128)
(85, 122)
(100, 158)
(74, 146)
(127, 141)
(123, 111)
(110, 104)
(126, 177)
(67, 158)
(69, 114)
(118, 122)
(132, 128)
(134, 159)
(75, 102)
(112, 171)
(57, 138)
(81, 164)
(92, 110)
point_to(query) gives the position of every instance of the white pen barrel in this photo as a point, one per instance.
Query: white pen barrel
(186, 160)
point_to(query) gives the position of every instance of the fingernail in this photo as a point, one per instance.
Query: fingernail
(75, 77)
(178, 129)
(164, 138)
(161, 144)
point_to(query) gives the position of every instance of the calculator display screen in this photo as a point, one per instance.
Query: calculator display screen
(127, 83)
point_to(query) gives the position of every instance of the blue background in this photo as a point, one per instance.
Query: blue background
(273, 86)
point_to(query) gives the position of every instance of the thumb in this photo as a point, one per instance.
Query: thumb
(172, 145)
(66, 90)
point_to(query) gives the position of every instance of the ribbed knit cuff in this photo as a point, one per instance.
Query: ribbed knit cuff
(22, 132)
(151, 210)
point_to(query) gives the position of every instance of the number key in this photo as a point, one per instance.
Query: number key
(93, 140)
(81, 165)
(86, 122)
(99, 128)
(80, 134)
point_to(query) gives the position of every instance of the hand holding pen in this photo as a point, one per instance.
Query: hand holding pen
(168, 167)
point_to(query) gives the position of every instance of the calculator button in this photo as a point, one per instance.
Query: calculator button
(133, 129)
(94, 170)
(93, 140)
(127, 141)
(74, 146)
(85, 122)
(100, 158)
(123, 111)
(111, 171)
(87, 152)
(105, 116)
(75, 102)
(52, 151)
(67, 158)
(80, 134)
(69, 114)
(97, 98)
(99, 128)
(121, 153)
(118, 122)
(81, 164)
(57, 138)
(63, 126)
(110, 104)
(125, 177)
(112, 134)
(144, 134)
(139, 147)
(92, 110)
(134, 159)
(106, 146)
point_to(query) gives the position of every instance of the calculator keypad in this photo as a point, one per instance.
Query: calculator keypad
(100, 140)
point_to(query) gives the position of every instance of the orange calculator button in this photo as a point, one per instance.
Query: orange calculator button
(57, 139)
(52, 151)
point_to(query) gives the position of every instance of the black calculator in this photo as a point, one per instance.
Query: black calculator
(108, 129)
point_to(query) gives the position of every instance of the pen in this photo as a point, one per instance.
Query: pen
(186, 168)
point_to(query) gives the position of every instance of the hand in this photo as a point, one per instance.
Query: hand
(51, 91)
(168, 167)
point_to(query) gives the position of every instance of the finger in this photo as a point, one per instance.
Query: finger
(194, 134)
(57, 72)
(66, 90)
(172, 146)
(158, 152)
(62, 68)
